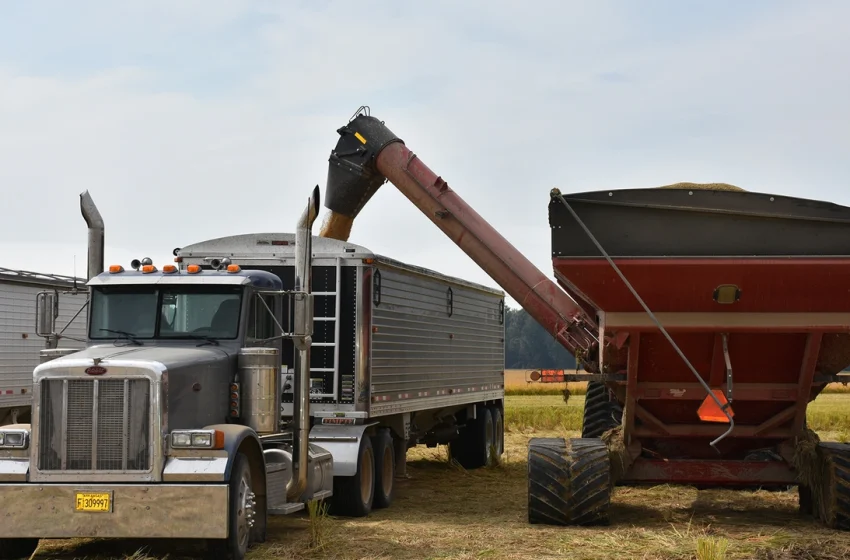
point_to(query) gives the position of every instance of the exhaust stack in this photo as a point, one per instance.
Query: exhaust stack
(96, 235)
(303, 331)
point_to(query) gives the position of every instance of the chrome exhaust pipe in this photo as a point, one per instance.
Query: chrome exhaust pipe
(96, 235)
(303, 331)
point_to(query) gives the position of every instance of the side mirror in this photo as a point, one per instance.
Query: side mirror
(46, 312)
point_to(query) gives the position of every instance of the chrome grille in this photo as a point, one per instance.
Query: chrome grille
(95, 425)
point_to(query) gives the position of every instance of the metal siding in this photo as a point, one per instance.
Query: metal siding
(18, 355)
(414, 358)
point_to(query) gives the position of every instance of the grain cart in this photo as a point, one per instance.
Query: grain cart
(168, 424)
(21, 350)
(711, 317)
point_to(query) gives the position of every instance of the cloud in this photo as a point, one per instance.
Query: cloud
(200, 119)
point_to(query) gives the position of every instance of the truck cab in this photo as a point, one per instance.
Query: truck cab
(172, 409)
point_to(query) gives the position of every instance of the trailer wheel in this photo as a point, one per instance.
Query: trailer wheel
(17, 548)
(498, 429)
(382, 443)
(601, 411)
(354, 495)
(473, 448)
(834, 498)
(240, 513)
(568, 481)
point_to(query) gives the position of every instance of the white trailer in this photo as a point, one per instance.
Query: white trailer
(20, 343)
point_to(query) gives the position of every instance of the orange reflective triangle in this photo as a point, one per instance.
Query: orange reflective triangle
(709, 411)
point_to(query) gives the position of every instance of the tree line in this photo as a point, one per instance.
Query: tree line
(529, 346)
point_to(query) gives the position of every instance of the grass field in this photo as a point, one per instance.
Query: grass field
(442, 511)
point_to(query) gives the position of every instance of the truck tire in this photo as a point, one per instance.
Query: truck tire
(473, 448)
(601, 411)
(240, 514)
(17, 548)
(498, 429)
(568, 481)
(354, 495)
(834, 498)
(382, 443)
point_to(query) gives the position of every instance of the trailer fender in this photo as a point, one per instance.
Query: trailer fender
(215, 466)
(342, 442)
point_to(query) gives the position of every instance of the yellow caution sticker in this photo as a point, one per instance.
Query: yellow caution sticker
(360, 137)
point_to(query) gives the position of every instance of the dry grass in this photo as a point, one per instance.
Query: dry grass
(443, 511)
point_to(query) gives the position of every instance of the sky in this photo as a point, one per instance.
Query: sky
(199, 119)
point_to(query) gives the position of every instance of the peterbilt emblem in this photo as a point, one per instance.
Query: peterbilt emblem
(95, 370)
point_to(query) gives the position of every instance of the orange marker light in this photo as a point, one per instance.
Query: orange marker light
(116, 268)
(233, 268)
(148, 268)
(193, 269)
(169, 269)
(709, 411)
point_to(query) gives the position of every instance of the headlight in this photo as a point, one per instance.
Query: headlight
(14, 439)
(197, 439)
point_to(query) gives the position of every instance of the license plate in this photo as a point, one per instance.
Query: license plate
(93, 502)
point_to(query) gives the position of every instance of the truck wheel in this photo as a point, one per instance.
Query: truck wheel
(498, 429)
(240, 513)
(17, 548)
(354, 495)
(601, 411)
(834, 498)
(473, 448)
(568, 481)
(382, 443)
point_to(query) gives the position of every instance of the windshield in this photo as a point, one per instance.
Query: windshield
(142, 312)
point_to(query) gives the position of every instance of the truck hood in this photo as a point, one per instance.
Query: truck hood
(172, 357)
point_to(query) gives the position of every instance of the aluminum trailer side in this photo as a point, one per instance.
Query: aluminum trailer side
(19, 345)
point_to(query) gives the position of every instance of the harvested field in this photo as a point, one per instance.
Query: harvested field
(442, 511)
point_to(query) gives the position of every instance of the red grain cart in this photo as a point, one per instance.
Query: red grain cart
(707, 321)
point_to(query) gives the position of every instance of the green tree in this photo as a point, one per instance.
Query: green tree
(529, 346)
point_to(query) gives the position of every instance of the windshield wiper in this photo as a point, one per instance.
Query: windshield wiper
(206, 339)
(128, 335)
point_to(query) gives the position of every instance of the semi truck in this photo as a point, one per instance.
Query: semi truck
(252, 376)
(22, 340)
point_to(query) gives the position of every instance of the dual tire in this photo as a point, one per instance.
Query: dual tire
(481, 441)
(373, 485)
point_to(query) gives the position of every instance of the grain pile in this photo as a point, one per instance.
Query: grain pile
(704, 187)
(336, 226)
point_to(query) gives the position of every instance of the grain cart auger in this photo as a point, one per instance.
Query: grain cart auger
(713, 317)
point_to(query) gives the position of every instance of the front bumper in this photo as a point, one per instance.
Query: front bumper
(195, 511)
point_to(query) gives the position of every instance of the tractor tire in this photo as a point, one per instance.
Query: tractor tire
(569, 482)
(17, 548)
(601, 411)
(473, 448)
(834, 506)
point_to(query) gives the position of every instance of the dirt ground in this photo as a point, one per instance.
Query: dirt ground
(442, 511)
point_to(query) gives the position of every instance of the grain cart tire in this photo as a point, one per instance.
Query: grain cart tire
(472, 449)
(382, 442)
(834, 497)
(568, 481)
(240, 513)
(17, 548)
(498, 429)
(354, 495)
(601, 411)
